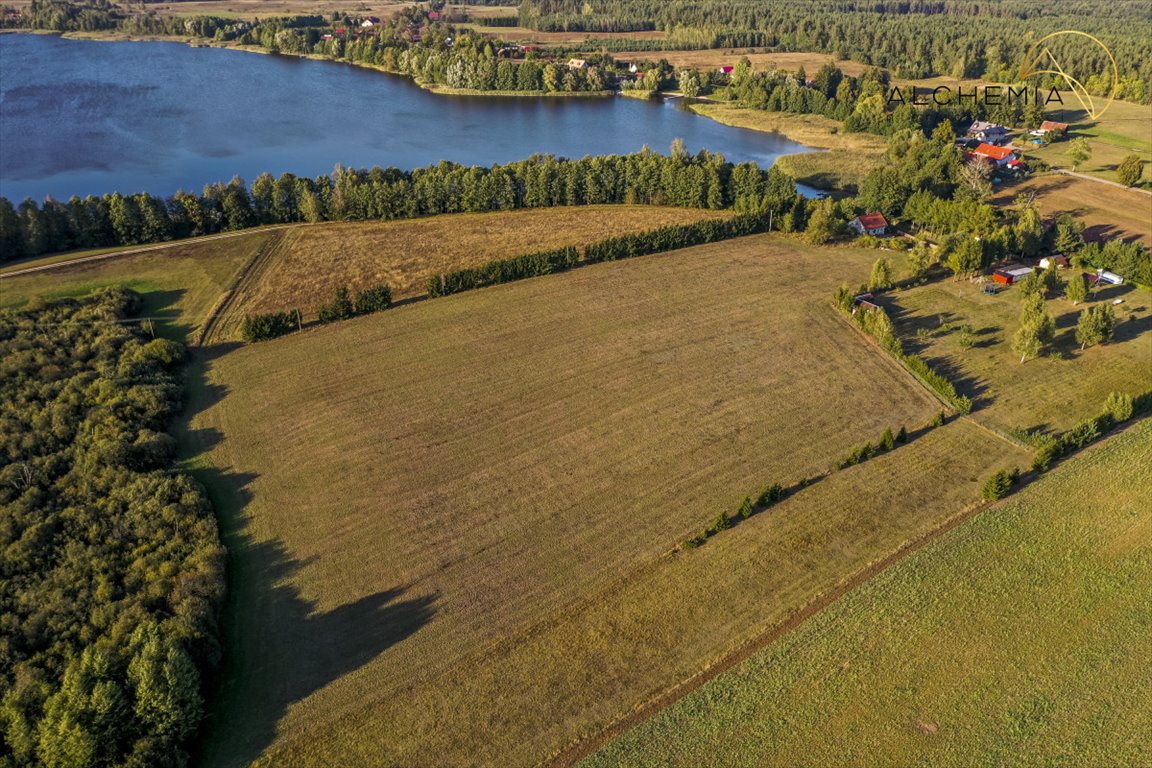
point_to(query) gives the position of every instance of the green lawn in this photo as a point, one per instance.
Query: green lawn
(1054, 391)
(180, 285)
(1020, 638)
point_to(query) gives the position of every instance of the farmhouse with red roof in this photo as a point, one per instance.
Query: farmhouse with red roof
(870, 224)
(998, 155)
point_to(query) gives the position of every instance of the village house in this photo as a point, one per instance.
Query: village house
(727, 71)
(1053, 262)
(1000, 156)
(577, 64)
(1049, 126)
(991, 133)
(870, 224)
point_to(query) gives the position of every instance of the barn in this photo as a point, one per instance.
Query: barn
(1009, 274)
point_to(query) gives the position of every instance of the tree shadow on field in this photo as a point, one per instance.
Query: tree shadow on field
(278, 646)
(160, 307)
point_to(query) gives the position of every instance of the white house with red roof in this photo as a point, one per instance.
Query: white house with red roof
(1000, 156)
(870, 224)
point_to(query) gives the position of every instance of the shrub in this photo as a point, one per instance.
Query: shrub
(1119, 406)
(745, 510)
(860, 453)
(341, 307)
(1047, 450)
(937, 420)
(696, 540)
(771, 495)
(887, 440)
(721, 523)
(997, 486)
(902, 435)
(374, 299)
(270, 325)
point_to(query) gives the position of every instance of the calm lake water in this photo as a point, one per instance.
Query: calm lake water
(85, 117)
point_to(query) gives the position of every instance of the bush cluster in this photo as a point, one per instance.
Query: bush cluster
(504, 271)
(270, 325)
(723, 521)
(112, 570)
(865, 451)
(344, 307)
(998, 485)
(1118, 408)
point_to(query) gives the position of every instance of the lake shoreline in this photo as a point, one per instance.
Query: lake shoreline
(143, 130)
(203, 42)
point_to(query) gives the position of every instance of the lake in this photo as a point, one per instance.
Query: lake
(88, 117)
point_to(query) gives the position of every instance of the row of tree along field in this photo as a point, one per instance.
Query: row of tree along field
(261, 327)
(112, 571)
(703, 180)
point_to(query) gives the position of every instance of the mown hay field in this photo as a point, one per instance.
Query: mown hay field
(1124, 129)
(1052, 392)
(312, 262)
(180, 284)
(454, 526)
(1020, 637)
(1107, 211)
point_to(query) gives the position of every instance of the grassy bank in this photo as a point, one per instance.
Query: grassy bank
(849, 157)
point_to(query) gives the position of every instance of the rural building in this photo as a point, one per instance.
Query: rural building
(863, 301)
(870, 224)
(727, 71)
(367, 23)
(1011, 273)
(1049, 126)
(577, 64)
(1104, 276)
(991, 133)
(1001, 156)
(434, 15)
(1054, 262)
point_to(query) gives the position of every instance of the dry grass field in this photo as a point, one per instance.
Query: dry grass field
(311, 262)
(1107, 211)
(1054, 391)
(453, 526)
(180, 284)
(1018, 638)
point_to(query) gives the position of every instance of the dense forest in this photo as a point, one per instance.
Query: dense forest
(111, 570)
(957, 38)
